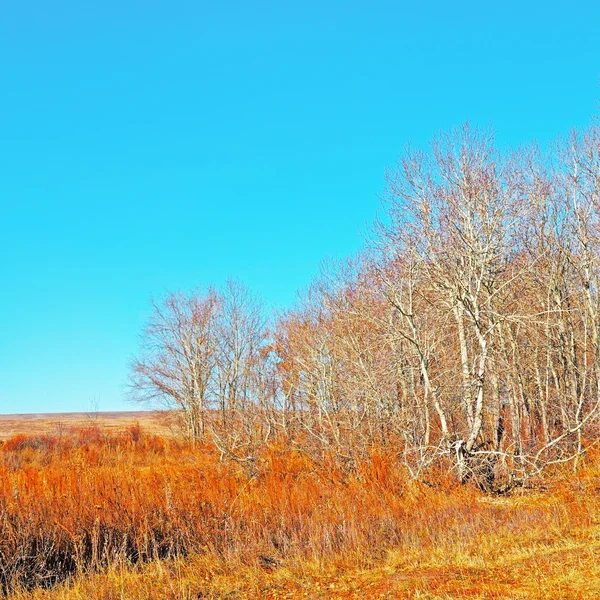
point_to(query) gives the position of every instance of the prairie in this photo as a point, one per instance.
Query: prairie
(122, 512)
(55, 423)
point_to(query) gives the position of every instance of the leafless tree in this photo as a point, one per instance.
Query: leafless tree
(242, 373)
(179, 356)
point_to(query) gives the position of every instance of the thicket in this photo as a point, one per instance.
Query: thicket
(465, 335)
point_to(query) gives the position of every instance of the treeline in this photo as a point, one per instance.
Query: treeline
(466, 335)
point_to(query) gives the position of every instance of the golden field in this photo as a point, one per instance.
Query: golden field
(110, 422)
(122, 513)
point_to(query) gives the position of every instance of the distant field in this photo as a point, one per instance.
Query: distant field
(53, 423)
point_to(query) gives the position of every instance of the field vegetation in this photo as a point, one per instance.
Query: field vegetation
(134, 515)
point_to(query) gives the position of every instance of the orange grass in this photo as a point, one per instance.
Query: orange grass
(138, 516)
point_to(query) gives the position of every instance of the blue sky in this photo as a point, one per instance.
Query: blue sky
(150, 146)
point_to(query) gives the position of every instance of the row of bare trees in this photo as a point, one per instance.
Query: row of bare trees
(467, 332)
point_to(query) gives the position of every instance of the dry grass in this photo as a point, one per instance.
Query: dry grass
(157, 422)
(137, 516)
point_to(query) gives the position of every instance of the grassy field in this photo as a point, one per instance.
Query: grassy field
(57, 423)
(111, 510)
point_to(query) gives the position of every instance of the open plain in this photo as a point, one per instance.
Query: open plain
(56, 423)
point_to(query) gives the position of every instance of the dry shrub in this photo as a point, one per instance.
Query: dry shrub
(90, 501)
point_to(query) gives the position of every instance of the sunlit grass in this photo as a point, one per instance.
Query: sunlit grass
(135, 516)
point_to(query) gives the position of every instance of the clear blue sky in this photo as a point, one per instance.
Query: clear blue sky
(150, 146)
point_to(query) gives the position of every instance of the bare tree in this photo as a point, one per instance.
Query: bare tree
(242, 386)
(453, 214)
(179, 356)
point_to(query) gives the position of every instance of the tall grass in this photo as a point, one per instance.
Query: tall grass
(87, 502)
